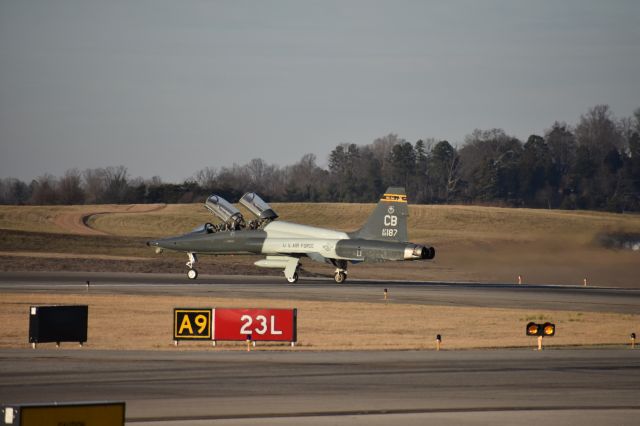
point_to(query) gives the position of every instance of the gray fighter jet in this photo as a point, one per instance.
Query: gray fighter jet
(382, 238)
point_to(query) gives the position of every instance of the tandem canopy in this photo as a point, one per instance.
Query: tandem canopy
(258, 206)
(224, 210)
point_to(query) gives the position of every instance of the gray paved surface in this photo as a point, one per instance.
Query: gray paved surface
(448, 294)
(167, 388)
(579, 386)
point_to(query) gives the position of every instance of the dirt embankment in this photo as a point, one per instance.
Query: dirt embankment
(77, 223)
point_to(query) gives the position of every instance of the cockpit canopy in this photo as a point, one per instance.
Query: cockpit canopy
(258, 206)
(224, 210)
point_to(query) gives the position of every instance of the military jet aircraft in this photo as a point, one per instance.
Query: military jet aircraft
(382, 238)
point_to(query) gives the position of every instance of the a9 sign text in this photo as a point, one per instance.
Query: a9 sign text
(191, 324)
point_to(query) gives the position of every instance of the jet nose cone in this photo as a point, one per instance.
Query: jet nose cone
(155, 244)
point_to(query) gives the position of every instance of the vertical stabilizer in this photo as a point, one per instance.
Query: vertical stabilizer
(388, 222)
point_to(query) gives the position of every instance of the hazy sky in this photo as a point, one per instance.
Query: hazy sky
(168, 87)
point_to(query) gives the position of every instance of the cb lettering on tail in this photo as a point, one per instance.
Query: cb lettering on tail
(390, 220)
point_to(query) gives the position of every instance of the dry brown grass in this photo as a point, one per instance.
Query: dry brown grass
(473, 243)
(441, 224)
(144, 322)
(478, 244)
(456, 224)
(63, 219)
(36, 218)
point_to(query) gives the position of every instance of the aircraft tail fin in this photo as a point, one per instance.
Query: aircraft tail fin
(388, 221)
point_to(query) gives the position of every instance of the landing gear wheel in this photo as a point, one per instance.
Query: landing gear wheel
(293, 279)
(340, 277)
(192, 274)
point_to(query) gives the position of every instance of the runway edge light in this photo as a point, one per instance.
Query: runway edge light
(547, 329)
(532, 329)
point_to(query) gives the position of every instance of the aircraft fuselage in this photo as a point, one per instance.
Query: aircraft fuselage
(290, 239)
(383, 237)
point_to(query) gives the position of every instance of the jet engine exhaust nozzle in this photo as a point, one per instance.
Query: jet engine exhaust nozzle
(415, 252)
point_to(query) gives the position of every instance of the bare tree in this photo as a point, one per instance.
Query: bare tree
(116, 185)
(381, 148)
(275, 182)
(598, 132)
(94, 185)
(15, 191)
(43, 190)
(453, 176)
(489, 164)
(207, 179)
(257, 170)
(305, 180)
(234, 181)
(636, 120)
(69, 188)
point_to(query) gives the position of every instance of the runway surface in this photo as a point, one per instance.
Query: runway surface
(447, 387)
(176, 387)
(552, 297)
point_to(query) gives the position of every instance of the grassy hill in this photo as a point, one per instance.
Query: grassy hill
(479, 244)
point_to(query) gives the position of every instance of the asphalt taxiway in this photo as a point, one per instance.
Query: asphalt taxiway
(167, 388)
(588, 299)
(447, 387)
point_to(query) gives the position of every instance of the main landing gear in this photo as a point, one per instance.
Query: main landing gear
(341, 270)
(291, 271)
(192, 274)
(294, 278)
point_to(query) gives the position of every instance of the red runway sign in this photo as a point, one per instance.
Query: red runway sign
(279, 325)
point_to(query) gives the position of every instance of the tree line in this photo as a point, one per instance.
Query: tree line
(592, 165)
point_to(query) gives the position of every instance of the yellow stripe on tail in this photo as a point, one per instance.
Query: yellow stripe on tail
(398, 198)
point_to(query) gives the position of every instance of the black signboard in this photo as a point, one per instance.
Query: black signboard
(58, 324)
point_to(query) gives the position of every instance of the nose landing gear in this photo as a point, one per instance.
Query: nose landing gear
(192, 274)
